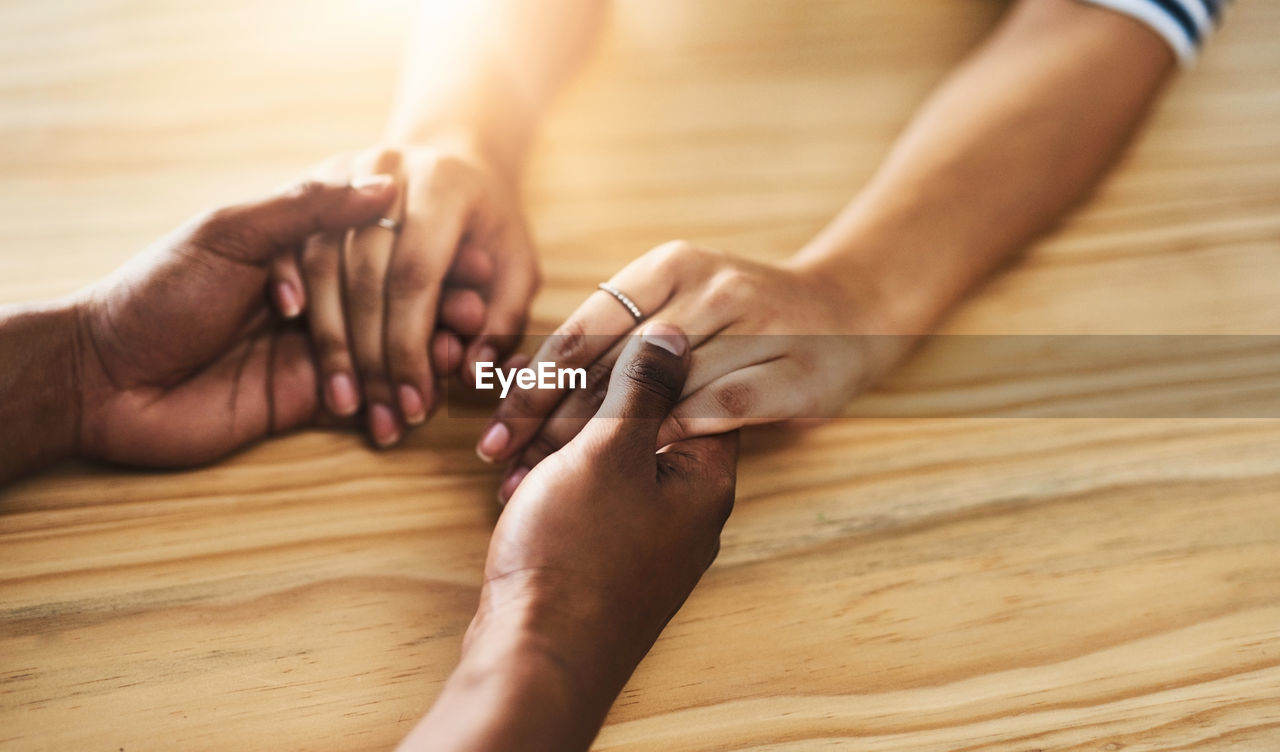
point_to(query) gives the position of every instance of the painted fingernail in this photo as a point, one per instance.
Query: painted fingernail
(667, 337)
(372, 183)
(343, 399)
(411, 405)
(485, 354)
(383, 426)
(512, 482)
(288, 298)
(493, 441)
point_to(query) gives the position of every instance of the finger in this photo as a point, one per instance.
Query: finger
(566, 421)
(714, 358)
(434, 223)
(749, 394)
(510, 295)
(725, 407)
(646, 384)
(473, 267)
(366, 258)
(446, 351)
(532, 442)
(258, 231)
(292, 382)
(701, 471)
(594, 328)
(761, 393)
(716, 454)
(555, 432)
(463, 311)
(322, 275)
(643, 387)
(727, 352)
(287, 289)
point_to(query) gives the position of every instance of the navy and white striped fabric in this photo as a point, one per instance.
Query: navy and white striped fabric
(1184, 24)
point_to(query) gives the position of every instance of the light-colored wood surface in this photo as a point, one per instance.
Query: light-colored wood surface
(929, 584)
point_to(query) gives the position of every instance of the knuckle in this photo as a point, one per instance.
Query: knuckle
(655, 377)
(675, 253)
(544, 444)
(407, 356)
(448, 172)
(226, 230)
(365, 286)
(372, 375)
(449, 164)
(598, 375)
(316, 262)
(679, 425)
(219, 220)
(330, 344)
(307, 190)
(569, 343)
(409, 278)
(723, 500)
(735, 399)
(727, 287)
(806, 361)
(520, 403)
(386, 158)
(222, 223)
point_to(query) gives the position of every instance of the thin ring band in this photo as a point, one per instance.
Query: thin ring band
(388, 223)
(622, 298)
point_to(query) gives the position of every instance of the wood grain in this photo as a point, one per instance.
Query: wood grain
(885, 584)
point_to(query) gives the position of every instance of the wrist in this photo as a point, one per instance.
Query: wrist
(41, 379)
(851, 280)
(569, 625)
(896, 287)
(503, 155)
(518, 684)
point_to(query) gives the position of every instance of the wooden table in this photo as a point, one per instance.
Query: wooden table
(885, 584)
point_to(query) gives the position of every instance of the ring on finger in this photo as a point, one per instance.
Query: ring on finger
(626, 301)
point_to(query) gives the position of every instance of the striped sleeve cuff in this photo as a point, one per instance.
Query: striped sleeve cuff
(1184, 24)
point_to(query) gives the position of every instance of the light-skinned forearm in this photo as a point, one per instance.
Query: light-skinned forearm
(1017, 136)
(39, 387)
(481, 72)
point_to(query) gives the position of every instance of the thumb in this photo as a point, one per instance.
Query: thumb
(703, 470)
(645, 385)
(254, 232)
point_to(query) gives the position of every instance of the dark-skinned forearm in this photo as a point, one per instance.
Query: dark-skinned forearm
(1015, 138)
(39, 387)
(519, 686)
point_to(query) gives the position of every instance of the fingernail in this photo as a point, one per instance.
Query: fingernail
(512, 482)
(343, 399)
(411, 405)
(372, 183)
(667, 337)
(493, 441)
(287, 296)
(382, 426)
(485, 354)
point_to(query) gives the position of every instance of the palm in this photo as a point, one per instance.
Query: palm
(183, 359)
(259, 386)
(198, 364)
